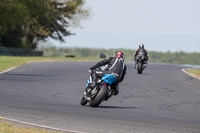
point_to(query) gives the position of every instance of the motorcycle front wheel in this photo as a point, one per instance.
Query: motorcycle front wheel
(83, 100)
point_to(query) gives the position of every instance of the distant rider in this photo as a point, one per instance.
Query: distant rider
(116, 66)
(141, 50)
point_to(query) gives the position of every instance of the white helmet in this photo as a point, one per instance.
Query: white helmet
(141, 46)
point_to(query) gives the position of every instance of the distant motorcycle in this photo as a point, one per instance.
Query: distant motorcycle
(101, 92)
(140, 63)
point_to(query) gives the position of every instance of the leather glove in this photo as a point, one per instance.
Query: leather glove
(92, 68)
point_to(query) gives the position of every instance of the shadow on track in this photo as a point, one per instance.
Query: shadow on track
(117, 107)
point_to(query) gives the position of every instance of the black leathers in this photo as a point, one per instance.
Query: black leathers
(116, 66)
(143, 51)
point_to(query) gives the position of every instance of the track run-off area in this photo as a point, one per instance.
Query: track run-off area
(163, 99)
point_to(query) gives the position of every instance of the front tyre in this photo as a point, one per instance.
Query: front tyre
(83, 100)
(99, 96)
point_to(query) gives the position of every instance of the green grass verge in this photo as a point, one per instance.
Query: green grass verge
(194, 72)
(7, 62)
(9, 128)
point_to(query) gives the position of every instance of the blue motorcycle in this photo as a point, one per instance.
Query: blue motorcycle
(101, 92)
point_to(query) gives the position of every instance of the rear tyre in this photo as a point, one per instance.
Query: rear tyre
(139, 68)
(99, 96)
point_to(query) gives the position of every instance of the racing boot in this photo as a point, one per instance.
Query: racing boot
(115, 89)
(115, 92)
(145, 64)
(94, 79)
(135, 65)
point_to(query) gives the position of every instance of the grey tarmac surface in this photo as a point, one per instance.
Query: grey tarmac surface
(161, 100)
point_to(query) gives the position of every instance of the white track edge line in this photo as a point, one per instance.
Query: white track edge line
(8, 70)
(42, 126)
(20, 65)
(189, 73)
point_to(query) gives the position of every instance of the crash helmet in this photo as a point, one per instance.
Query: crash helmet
(119, 54)
(141, 46)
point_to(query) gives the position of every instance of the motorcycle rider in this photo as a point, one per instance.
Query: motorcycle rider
(144, 51)
(116, 66)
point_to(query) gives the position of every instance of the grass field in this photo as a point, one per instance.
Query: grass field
(7, 62)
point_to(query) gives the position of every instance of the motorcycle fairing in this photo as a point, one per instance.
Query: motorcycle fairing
(109, 79)
(89, 81)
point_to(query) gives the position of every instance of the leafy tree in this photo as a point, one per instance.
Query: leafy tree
(28, 21)
(10, 24)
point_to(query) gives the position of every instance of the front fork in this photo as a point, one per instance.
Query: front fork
(90, 92)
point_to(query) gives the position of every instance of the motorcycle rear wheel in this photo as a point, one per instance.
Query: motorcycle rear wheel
(102, 91)
(139, 68)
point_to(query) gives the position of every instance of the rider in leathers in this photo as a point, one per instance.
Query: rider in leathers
(141, 49)
(116, 66)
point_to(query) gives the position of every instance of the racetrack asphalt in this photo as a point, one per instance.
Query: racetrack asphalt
(161, 100)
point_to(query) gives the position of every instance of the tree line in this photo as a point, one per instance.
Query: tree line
(156, 57)
(25, 22)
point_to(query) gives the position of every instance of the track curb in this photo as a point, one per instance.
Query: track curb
(184, 70)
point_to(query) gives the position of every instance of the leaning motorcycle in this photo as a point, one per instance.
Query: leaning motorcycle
(101, 92)
(140, 63)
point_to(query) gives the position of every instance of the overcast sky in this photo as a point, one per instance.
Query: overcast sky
(161, 25)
